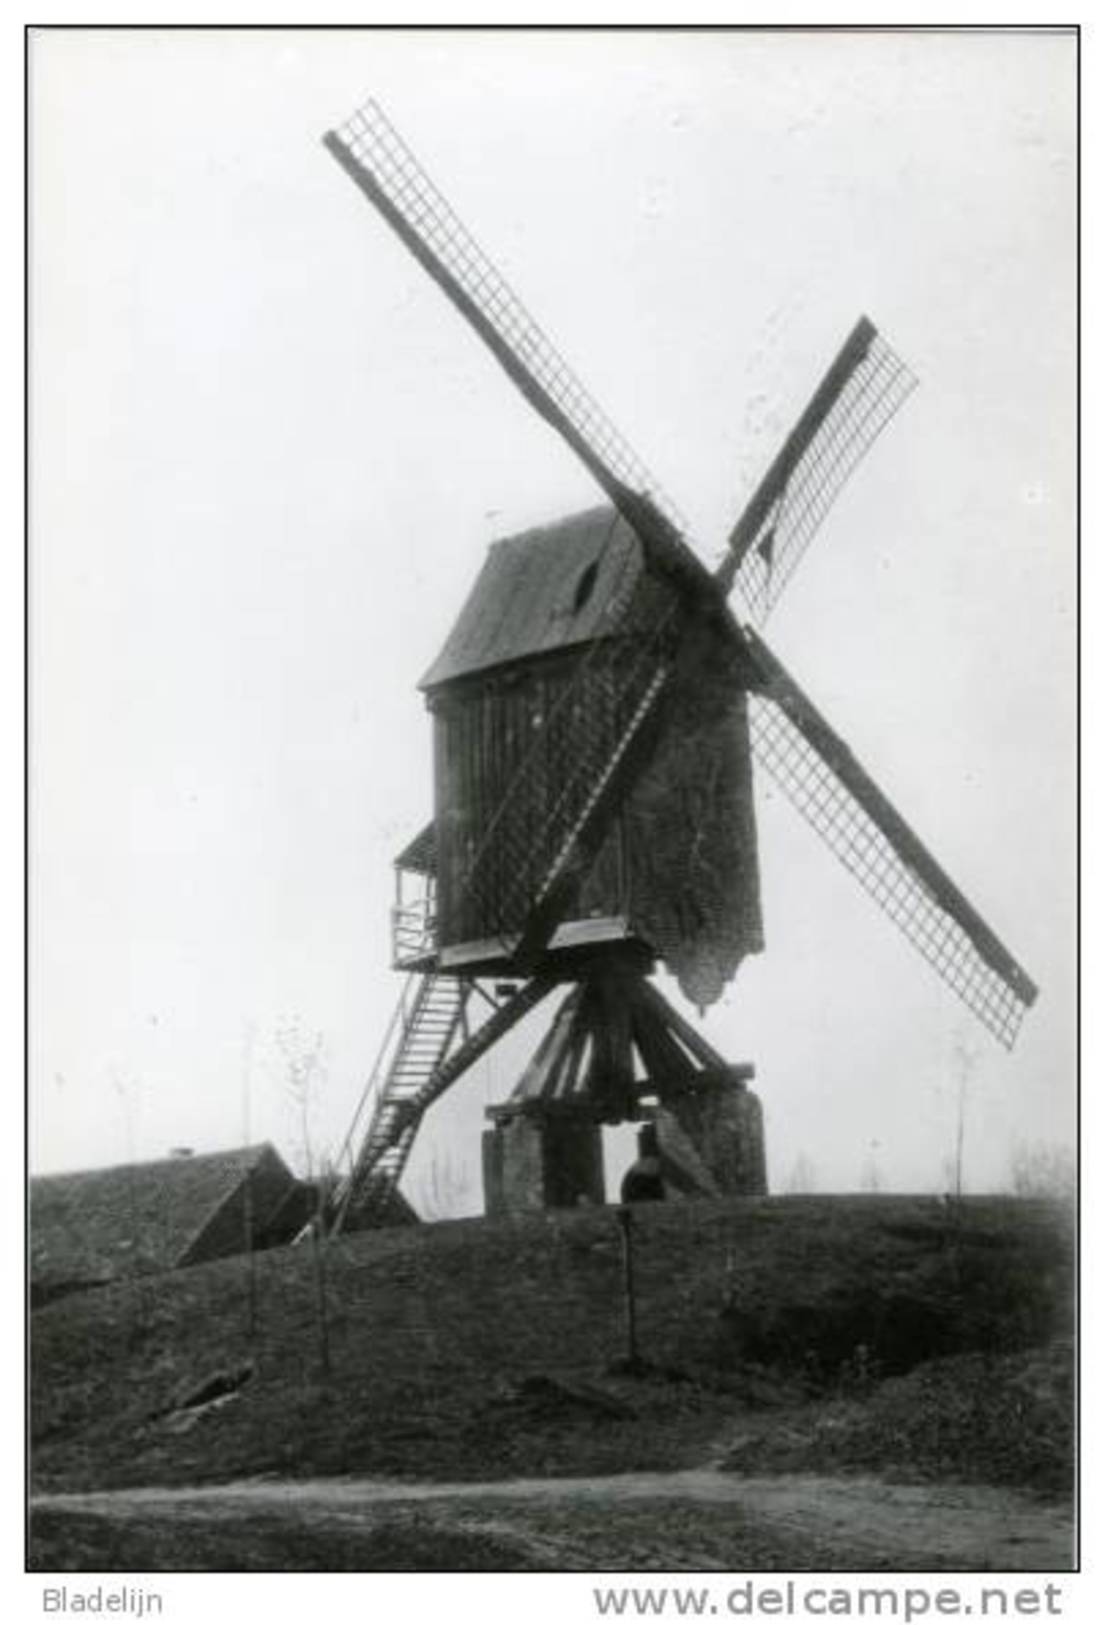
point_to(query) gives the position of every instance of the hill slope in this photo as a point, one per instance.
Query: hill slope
(479, 1349)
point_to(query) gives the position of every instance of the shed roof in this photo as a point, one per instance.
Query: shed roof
(134, 1218)
(546, 589)
(420, 855)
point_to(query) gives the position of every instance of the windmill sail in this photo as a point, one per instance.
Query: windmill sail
(382, 166)
(578, 767)
(579, 770)
(855, 400)
(819, 774)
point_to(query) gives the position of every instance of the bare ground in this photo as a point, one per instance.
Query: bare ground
(700, 1519)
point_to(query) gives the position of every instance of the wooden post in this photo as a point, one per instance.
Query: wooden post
(320, 1293)
(625, 1222)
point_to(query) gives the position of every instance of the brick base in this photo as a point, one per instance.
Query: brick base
(534, 1160)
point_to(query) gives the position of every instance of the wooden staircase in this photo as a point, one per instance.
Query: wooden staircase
(424, 1024)
(418, 1060)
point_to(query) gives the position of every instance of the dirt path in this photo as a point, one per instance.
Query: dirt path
(660, 1517)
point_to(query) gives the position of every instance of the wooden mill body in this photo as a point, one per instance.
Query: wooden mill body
(533, 657)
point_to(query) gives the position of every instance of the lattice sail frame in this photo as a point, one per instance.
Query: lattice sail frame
(896, 871)
(404, 187)
(810, 472)
(574, 785)
(859, 395)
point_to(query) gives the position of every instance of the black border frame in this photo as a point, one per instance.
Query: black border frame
(30, 32)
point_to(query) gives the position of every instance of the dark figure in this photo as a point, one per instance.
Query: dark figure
(643, 1180)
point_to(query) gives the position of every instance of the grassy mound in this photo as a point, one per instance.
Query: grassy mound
(964, 1285)
(483, 1349)
(977, 1418)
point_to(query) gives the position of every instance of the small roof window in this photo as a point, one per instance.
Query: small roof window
(585, 586)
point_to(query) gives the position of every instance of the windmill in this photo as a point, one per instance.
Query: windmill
(596, 710)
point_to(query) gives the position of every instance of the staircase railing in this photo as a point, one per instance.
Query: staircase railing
(422, 1029)
(413, 931)
(399, 1020)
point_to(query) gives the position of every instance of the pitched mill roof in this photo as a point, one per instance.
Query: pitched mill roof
(546, 589)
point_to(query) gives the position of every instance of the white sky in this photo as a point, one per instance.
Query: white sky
(267, 458)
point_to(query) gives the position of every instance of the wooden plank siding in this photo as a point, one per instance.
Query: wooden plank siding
(530, 668)
(484, 730)
(680, 863)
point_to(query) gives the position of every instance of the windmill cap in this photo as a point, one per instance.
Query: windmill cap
(545, 589)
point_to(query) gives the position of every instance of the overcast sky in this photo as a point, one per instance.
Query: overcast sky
(268, 458)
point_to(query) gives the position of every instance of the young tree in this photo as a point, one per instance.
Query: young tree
(128, 1091)
(249, 1035)
(870, 1177)
(305, 1074)
(1043, 1170)
(966, 1060)
(802, 1179)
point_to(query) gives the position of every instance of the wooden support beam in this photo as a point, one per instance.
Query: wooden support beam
(744, 533)
(666, 1061)
(497, 1026)
(598, 1061)
(568, 1075)
(614, 994)
(534, 1081)
(681, 1159)
(701, 1049)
